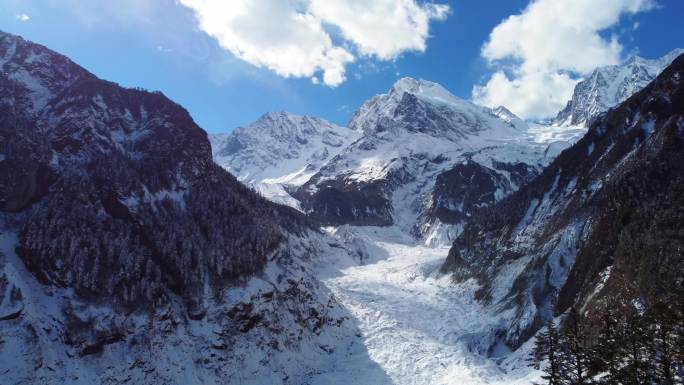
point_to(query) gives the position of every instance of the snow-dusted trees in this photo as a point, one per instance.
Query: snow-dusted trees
(636, 347)
(210, 233)
(548, 350)
(575, 349)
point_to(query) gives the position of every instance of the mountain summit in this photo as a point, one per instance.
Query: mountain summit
(278, 144)
(608, 86)
(421, 105)
(410, 135)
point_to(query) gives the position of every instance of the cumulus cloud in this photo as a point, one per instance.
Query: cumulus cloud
(22, 17)
(301, 38)
(381, 28)
(540, 54)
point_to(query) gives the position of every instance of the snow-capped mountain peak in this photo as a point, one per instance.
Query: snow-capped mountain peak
(424, 89)
(428, 107)
(279, 149)
(410, 135)
(282, 124)
(505, 113)
(610, 85)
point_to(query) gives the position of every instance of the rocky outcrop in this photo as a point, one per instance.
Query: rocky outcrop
(468, 187)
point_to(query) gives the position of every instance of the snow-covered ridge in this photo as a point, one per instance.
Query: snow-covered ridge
(278, 150)
(383, 107)
(608, 86)
(410, 135)
(398, 143)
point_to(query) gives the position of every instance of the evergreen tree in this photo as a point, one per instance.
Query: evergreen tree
(547, 349)
(605, 355)
(634, 348)
(678, 312)
(576, 349)
(663, 321)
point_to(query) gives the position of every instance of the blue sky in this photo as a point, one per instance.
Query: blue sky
(161, 45)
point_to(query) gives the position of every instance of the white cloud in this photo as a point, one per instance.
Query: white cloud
(22, 17)
(300, 38)
(381, 28)
(540, 54)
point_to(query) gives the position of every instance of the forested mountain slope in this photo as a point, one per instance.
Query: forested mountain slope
(604, 220)
(127, 254)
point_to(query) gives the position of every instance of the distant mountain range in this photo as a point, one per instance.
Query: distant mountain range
(135, 248)
(418, 156)
(382, 170)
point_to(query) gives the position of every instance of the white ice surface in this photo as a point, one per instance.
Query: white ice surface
(415, 324)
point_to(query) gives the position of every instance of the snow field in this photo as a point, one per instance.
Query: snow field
(416, 324)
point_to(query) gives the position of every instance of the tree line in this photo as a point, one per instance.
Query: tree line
(634, 346)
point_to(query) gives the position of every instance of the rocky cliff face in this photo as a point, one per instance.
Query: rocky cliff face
(465, 188)
(604, 220)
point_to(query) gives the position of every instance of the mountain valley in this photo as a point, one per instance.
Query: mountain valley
(427, 242)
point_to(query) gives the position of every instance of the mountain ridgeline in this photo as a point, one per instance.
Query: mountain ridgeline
(116, 192)
(604, 222)
(608, 86)
(383, 168)
(409, 136)
(130, 253)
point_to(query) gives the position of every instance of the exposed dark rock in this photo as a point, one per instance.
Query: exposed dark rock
(337, 202)
(467, 187)
(102, 341)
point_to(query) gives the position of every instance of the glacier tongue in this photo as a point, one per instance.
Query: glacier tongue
(417, 325)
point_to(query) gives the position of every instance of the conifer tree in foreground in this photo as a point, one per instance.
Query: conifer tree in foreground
(605, 356)
(575, 349)
(634, 350)
(663, 320)
(547, 350)
(636, 347)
